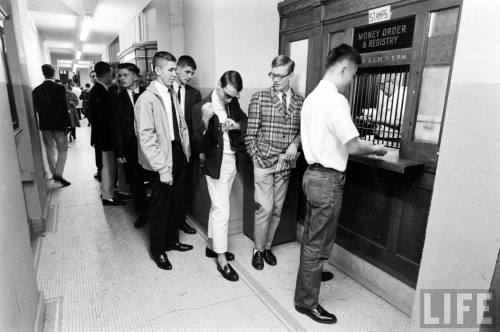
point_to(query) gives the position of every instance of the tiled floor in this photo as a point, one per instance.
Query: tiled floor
(95, 272)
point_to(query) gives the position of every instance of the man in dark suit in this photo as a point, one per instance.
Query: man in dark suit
(102, 129)
(49, 102)
(188, 97)
(124, 138)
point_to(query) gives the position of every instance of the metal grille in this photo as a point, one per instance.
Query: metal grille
(377, 97)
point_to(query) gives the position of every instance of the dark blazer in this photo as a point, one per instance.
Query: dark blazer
(101, 118)
(49, 101)
(193, 97)
(124, 139)
(210, 142)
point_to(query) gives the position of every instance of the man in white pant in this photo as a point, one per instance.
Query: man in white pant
(272, 134)
(218, 123)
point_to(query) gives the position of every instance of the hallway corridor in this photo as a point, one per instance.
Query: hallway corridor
(95, 272)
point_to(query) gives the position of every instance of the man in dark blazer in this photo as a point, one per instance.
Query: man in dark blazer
(188, 97)
(102, 131)
(49, 102)
(124, 138)
(218, 125)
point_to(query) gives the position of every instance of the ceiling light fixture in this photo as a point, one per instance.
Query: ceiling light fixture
(74, 67)
(87, 20)
(78, 55)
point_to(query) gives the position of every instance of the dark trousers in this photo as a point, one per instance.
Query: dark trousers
(135, 178)
(98, 159)
(324, 190)
(166, 210)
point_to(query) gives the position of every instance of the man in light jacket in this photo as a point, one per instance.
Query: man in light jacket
(164, 151)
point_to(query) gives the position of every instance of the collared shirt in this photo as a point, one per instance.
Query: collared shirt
(178, 86)
(220, 111)
(131, 94)
(50, 79)
(326, 126)
(165, 96)
(288, 96)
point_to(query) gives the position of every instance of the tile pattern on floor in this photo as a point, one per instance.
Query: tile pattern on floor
(94, 268)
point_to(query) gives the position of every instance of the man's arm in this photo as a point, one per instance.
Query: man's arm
(253, 125)
(114, 108)
(360, 147)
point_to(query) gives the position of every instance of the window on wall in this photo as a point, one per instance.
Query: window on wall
(298, 53)
(6, 74)
(438, 58)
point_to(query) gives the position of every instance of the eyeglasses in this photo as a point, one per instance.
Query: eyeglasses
(278, 76)
(228, 96)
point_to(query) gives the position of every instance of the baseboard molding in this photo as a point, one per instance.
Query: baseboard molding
(371, 277)
(40, 313)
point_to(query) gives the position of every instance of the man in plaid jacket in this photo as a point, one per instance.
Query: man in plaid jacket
(272, 135)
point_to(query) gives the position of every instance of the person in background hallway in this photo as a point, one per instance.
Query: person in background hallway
(98, 155)
(124, 139)
(84, 99)
(328, 137)
(102, 127)
(72, 101)
(164, 151)
(49, 102)
(273, 133)
(78, 91)
(218, 123)
(188, 97)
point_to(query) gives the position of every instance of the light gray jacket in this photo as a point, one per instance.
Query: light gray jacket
(152, 131)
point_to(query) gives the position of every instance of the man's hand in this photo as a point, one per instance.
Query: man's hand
(202, 159)
(232, 125)
(380, 150)
(166, 178)
(207, 111)
(121, 160)
(291, 152)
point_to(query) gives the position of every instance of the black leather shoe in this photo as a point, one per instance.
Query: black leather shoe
(97, 176)
(162, 262)
(228, 272)
(258, 260)
(186, 228)
(326, 276)
(269, 257)
(141, 221)
(319, 314)
(62, 181)
(212, 254)
(113, 202)
(180, 247)
(124, 196)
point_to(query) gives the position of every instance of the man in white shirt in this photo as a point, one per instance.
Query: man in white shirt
(328, 137)
(164, 151)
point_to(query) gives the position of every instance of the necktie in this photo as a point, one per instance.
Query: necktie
(179, 95)
(135, 96)
(177, 137)
(283, 101)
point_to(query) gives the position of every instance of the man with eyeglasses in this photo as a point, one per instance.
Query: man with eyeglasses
(273, 136)
(218, 123)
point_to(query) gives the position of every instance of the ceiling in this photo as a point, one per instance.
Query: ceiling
(59, 23)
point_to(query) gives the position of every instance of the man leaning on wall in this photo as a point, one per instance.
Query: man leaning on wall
(272, 138)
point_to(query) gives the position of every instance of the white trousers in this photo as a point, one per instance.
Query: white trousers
(219, 190)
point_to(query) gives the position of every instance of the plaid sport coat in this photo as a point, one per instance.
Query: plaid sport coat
(271, 128)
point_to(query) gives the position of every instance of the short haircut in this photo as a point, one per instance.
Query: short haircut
(102, 68)
(87, 85)
(162, 55)
(129, 66)
(283, 60)
(342, 52)
(186, 61)
(92, 71)
(48, 70)
(232, 77)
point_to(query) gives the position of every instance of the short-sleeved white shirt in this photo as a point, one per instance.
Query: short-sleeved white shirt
(326, 126)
